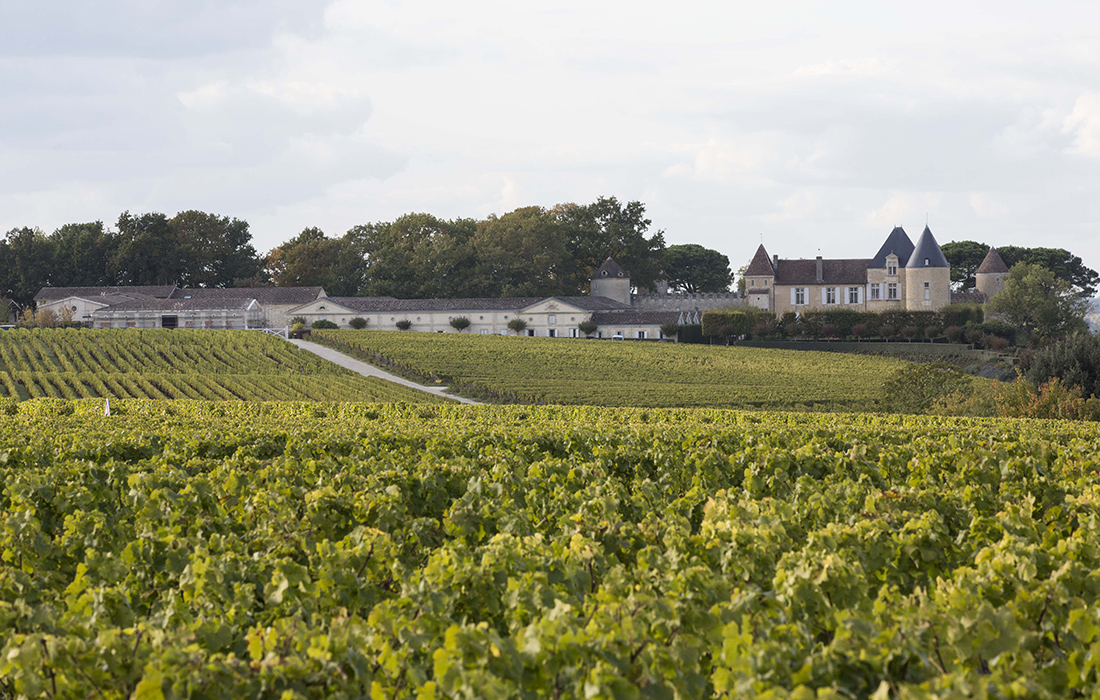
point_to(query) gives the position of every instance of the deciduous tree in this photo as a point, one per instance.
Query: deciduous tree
(693, 269)
(1040, 303)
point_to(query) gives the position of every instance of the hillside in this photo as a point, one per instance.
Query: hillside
(626, 373)
(179, 364)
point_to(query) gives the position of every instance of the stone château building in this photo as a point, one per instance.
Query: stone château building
(901, 276)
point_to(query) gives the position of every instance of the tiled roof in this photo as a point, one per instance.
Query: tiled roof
(897, 243)
(850, 271)
(634, 318)
(152, 291)
(992, 263)
(927, 252)
(264, 295)
(968, 296)
(610, 268)
(761, 265)
(593, 303)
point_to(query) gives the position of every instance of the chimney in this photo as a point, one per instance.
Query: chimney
(820, 271)
(775, 261)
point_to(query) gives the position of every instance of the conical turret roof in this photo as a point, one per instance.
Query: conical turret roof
(993, 263)
(927, 252)
(897, 243)
(610, 268)
(761, 264)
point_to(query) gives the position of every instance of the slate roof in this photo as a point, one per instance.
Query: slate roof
(992, 263)
(610, 268)
(927, 249)
(634, 318)
(392, 305)
(842, 271)
(90, 293)
(897, 243)
(264, 295)
(761, 264)
(149, 304)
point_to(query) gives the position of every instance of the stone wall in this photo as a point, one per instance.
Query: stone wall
(686, 302)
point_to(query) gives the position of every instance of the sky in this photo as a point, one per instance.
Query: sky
(813, 127)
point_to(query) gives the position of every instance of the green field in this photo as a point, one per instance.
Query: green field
(231, 550)
(178, 364)
(627, 373)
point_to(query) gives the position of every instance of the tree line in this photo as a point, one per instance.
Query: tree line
(532, 251)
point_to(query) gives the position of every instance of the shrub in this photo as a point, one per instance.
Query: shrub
(404, 324)
(1075, 361)
(518, 325)
(668, 330)
(358, 323)
(588, 327)
(886, 331)
(954, 334)
(298, 319)
(323, 324)
(859, 330)
(460, 323)
(1052, 399)
(909, 332)
(765, 326)
(724, 323)
(828, 330)
(961, 314)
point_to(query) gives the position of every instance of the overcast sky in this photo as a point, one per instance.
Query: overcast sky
(813, 126)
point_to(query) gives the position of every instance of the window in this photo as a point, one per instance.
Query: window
(531, 332)
(641, 335)
(552, 333)
(926, 262)
(573, 332)
(891, 291)
(504, 332)
(853, 295)
(892, 268)
(752, 283)
(799, 296)
(830, 295)
(927, 291)
(552, 319)
(485, 331)
(876, 292)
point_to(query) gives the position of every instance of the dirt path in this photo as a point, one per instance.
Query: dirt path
(368, 370)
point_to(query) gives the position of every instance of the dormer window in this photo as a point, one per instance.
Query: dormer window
(891, 267)
(604, 273)
(926, 262)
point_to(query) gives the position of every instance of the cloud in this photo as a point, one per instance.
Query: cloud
(901, 207)
(847, 66)
(1083, 123)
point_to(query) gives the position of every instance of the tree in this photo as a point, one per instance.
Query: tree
(217, 249)
(608, 228)
(417, 256)
(1065, 265)
(693, 269)
(26, 264)
(587, 327)
(964, 257)
(460, 323)
(148, 251)
(82, 255)
(311, 259)
(1040, 303)
(518, 325)
(670, 330)
(1075, 361)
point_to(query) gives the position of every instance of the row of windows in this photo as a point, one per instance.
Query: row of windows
(854, 295)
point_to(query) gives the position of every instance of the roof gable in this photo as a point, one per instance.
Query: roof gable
(897, 243)
(927, 252)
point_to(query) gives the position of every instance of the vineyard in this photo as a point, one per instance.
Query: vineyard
(225, 550)
(179, 364)
(568, 371)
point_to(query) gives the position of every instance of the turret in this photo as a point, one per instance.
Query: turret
(610, 281)
(927, 276)
(990, 275)
(760, 280)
